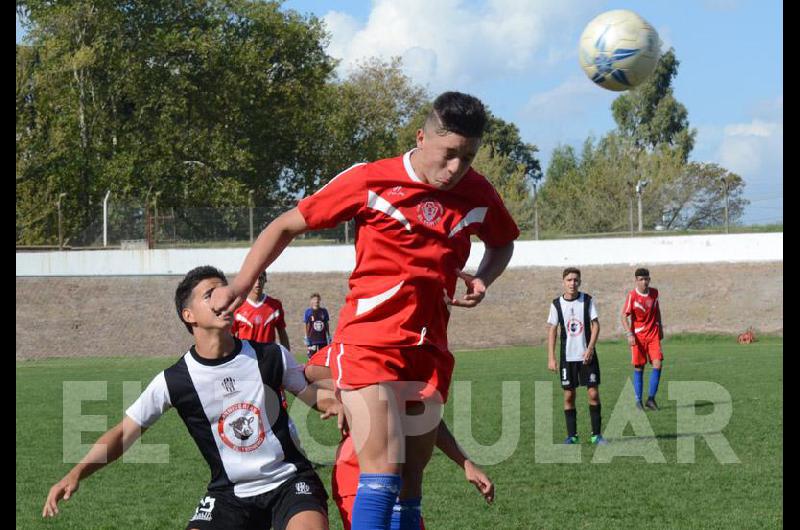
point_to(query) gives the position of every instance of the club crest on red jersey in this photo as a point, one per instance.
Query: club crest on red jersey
(430, 211)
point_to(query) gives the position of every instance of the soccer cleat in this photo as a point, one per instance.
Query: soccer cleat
(597, 439)
(651, 404)
(571, 440)
(639, 405)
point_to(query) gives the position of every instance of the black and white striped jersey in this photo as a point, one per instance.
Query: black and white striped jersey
(232, 409)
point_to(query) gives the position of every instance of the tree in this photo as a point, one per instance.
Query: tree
(594, 191)
(650, 116)
(197, 101)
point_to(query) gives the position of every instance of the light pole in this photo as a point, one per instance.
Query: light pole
(155, 218)
(639, 190)
(105, 218)
(535, 214)
(725, 189)
(251, 204)
(60, 233)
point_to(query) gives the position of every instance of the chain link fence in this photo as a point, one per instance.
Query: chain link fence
(134, 226)
(129, 226)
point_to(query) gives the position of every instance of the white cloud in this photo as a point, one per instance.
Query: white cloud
(447, 42)
(750, 148)
(753, 150)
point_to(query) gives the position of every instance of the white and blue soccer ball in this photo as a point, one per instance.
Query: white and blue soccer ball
(619, 50)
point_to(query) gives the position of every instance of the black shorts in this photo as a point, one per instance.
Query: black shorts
(273, 509)
(575, 373)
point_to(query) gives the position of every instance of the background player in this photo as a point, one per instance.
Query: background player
(575, 314)
(316, 326)
(260, 317)
(644, 332)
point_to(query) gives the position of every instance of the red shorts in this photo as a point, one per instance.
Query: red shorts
(645, 351)
(425, 370)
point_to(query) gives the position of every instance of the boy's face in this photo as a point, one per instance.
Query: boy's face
(258, 288)
(571, 284)
(314, 302)
(642, 283)
(198, 310)
(445, 159)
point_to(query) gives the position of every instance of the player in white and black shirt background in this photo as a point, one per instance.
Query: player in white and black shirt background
(227, 392)
(575, 314)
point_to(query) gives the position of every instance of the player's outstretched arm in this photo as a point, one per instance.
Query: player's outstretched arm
(446, 442)
(105, 450)
(266, 249)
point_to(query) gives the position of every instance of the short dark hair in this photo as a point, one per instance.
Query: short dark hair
(642, 272)
(459, 113)
(184, 291)
(570, 270)
(262, 277)
(315, 295)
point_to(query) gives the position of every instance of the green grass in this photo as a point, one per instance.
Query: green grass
(627, 493)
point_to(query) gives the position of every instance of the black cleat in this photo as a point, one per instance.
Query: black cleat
(651, 404)
(639, 405)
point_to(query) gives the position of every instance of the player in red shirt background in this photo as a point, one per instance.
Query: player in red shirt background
(644, 332)
(260, 316)
(414, 215)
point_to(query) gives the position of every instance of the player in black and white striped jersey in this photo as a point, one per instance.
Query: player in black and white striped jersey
(227, 392)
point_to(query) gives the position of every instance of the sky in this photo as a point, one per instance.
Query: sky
(521, 58)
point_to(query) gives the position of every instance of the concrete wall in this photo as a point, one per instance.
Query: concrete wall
(734, 248)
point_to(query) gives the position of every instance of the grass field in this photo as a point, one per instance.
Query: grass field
(626, 493)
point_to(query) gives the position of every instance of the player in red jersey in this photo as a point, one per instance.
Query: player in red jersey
(260, 316)
(644, 332)
(345, 474)
(414, 216)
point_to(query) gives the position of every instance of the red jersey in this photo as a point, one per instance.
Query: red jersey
(410, 239)
(258, 321)
(644, 312)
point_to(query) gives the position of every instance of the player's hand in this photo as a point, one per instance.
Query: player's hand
(476, 290)
(338, 411)
(63, 489)
(483, 483)
(587, 356)
(631, 340)
(224, 300)
(551, 365)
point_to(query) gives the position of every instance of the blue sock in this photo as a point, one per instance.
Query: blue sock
(638, 383)
(655, 375)
(377, 493)
(407, 514)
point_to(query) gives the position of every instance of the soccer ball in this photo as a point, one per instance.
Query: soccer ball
(618, 49)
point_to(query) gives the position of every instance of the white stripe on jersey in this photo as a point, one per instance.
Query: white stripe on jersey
(339, 364)
(272, 317)
(368, 304)
(476, 215)
(241, 318)
(328, 357)
(339, 175)
(380, 204)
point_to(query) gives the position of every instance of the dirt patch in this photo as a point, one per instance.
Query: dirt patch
(135, 315)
